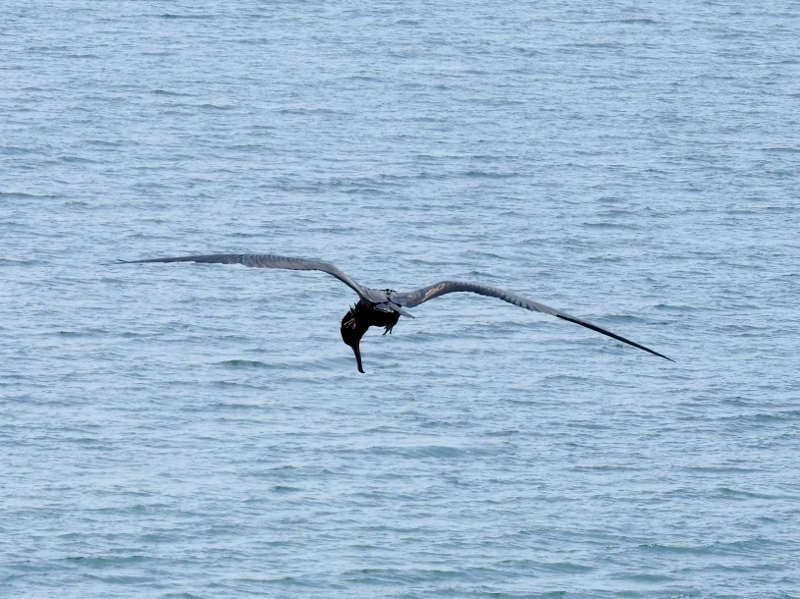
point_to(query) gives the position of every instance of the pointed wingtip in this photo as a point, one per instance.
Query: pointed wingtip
(655, 353)
(647, 349)
(608, 333)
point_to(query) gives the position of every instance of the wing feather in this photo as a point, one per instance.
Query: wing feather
(266, 261)
(415, 298)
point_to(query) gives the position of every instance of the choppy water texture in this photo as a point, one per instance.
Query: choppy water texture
(201, 431)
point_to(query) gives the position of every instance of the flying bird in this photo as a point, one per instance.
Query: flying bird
(383, 307)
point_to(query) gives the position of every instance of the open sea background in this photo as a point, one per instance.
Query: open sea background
(200, 431)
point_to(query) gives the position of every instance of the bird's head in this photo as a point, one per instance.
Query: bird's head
(352, 331)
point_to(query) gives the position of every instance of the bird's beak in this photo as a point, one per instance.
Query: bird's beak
(357, 352)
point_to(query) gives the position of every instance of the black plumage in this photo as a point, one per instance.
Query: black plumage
(383, 307)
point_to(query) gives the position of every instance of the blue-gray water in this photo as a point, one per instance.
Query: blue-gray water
(201, 431)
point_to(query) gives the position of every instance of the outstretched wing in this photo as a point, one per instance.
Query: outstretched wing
(415, 298)
(266, 261)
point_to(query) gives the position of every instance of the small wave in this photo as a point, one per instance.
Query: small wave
(742, 495)
(489, 174)
(18, 195)
(568, 567)
(781, 150)
(209, 106)
(244, 364)
(107, 562)
(439, 451)
(83, 333)
(166, 92)
(78, 160)
(611, 225)
(169, 15)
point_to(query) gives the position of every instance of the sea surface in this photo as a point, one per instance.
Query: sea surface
(200, 431)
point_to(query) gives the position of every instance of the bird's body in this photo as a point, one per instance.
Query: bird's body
(362, 316)
(383, 307)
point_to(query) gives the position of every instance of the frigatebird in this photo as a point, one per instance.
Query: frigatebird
(383, 307)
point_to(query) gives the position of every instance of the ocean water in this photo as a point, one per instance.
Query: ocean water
(200, 431)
